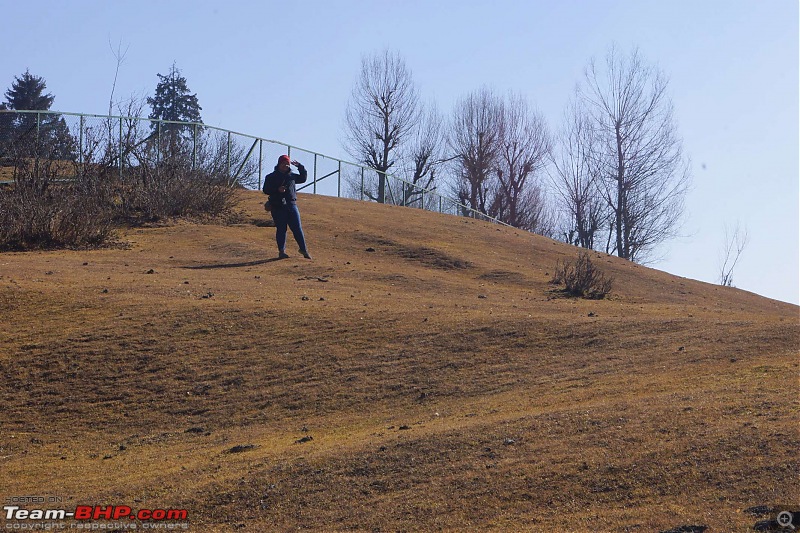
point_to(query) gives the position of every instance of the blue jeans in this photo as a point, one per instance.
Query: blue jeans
(288, 216)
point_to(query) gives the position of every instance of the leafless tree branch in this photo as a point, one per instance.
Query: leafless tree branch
(642, 173)
(735, 243)
(524, 148)
(575, 180)
(474, 140)
(381, 114)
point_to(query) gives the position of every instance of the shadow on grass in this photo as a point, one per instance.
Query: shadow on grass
(233, 265)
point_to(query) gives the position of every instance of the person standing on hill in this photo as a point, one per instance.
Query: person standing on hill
(280, 186)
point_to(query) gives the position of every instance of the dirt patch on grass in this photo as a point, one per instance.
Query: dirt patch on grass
(428, 257)
(504, 276)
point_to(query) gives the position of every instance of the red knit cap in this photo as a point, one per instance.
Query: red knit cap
(284, 159)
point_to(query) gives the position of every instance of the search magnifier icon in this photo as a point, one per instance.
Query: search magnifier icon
(785, 519)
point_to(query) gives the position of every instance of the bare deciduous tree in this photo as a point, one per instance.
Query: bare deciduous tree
(536, 213)
(574, 180)
(637, 151)
(425, 153)
(119, 55)
(382, 111)
(524, 146)
(735, 242)
(474, 140)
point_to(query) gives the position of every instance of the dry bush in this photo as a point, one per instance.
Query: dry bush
(170, 182)
(51, 200)
(58, 197)
(174, 195)
(39, 212)
(42, 208)
(582, 278)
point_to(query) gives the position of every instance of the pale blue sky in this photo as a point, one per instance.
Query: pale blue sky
(284, 70)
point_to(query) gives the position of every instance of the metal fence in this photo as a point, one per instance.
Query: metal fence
(74, 142)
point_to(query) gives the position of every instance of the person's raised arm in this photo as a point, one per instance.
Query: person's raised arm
(302, 173)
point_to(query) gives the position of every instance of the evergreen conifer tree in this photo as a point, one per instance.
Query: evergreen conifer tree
(27, 93)
(173, 101)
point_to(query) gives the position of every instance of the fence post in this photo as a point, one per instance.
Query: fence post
(36, 146)
(80, 146)
(194, 148)
(339, 184)
(260, 160)
(120, 148)
(362, 183)
(158, 142)
(315, 174)
(229, 158)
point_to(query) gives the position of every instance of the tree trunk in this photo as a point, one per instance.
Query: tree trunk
(621, 251)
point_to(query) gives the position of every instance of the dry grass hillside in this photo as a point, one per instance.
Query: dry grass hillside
(420, 374)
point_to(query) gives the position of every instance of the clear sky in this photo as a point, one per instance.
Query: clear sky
(284, 70)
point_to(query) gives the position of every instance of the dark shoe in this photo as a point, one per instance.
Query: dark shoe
(282, 255)
(305, 254)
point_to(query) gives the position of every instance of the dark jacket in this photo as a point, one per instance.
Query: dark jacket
(275, 179)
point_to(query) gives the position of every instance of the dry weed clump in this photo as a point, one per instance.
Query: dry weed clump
(582, 278)
(46, 207)
(40, 212)
(174, 195)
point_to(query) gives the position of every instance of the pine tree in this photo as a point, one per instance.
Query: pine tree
(27, 93)
(173, 101)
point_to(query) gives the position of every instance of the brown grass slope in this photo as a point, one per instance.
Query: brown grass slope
(443, 385)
